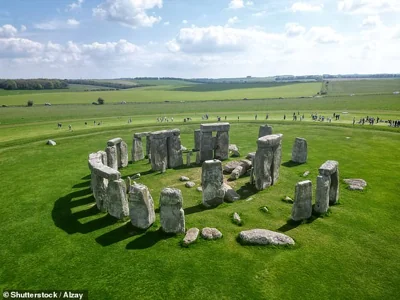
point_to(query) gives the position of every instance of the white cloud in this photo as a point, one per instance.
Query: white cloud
(368, 6)
(23, 28)
(73, 22)
(166, 23)
(74, 5)
(303, 6)
(371, 22)
(220, 39)
(8, 30)
(17, 47)
(249, 3)
(235, 4)
(294, 29)
(131, 13)
(184, 22)
(260, 13)
(232, 21)
(57, 24)
(324, 35)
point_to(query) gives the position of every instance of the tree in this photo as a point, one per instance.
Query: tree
(11, 85)
(100, 100)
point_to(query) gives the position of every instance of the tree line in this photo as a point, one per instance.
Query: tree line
(111, 84)
(32, 84)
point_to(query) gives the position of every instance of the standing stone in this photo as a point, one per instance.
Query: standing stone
(197, 136)
(188, 155)
(123, 159)
(137, 149)
(99, 187)
(141, 206)
(172, 216)
(299, 151)
(264, 130)
(117, 203)
(267, 161)
(222, 145)
(322, 194)
(206, 146)
(158, 152)
(212, 183)
(174, 150)
(112, 158)
(302, 206)
(148, 145)
(330, 169)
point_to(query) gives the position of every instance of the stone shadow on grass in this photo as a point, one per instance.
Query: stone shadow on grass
(82, 185)
(290, 224)
(290, 164)
(119, 234)
(64, 219)
(147, 240)
(247, 190)
(195, 209)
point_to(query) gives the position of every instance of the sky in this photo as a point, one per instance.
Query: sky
(197, 38)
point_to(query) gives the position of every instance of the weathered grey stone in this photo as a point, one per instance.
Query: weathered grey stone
(51, 143)
(174, 150)
(94, 160)
(267, 160)
(112, 157)
(148, 145)
(236, 219)
(215, 127)
(302, 206)
(264, 237)
(114, 142)
(188, 160)
(191, 236)
(230, 194)
(212, 183)
(197, 135)
(306, 173)
(117, 205)
(208, 233)
(206, 146)
(234, 150)
(190, 184)
(322, 194)
(355, 184)
(137, 149)
(287, 199)
(103, 155)
(123, 158)
(159, 153)
(141, 206)
(163, 167)
(251, 155)
(172, 216)
(99, 187)
(199, 189)
(184, 178)
(221, 146)
(299, 150)
(106, 172)
(331, 169)
(230, 166)
(140, 134)
(239, 171)
(264, 130)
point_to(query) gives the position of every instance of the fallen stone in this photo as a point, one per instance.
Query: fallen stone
(199, 189)
(306, 173)
(184, 178)
(287, 199)
(230, 166)
(251, 155)
(191, 236)
(264, 209)
(190, 184)
(235, 150)
(51, 143)
(230, 194)
(210, 233)
(264, 237)
(355, 184)
(236, 219)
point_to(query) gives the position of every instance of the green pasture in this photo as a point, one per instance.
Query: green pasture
(53, 236)
(362, 87)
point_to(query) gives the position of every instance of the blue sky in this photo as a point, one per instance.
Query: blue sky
(197, 38)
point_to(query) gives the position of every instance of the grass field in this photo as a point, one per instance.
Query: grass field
(52, 231)
(362, 87)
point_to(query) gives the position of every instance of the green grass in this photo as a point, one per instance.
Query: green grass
(360, 87)
(51, 229)
(166, 93)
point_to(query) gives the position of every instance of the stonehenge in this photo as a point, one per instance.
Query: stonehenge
(165, 149)
(212, 147)
(327, 192)
(212, 183)
(299, 151)
(267, 161)
(117, 153)
(264, 130)
(302, 206)
(172, 216)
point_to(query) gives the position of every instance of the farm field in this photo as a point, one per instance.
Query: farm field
(362, 87)
(50, 224)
